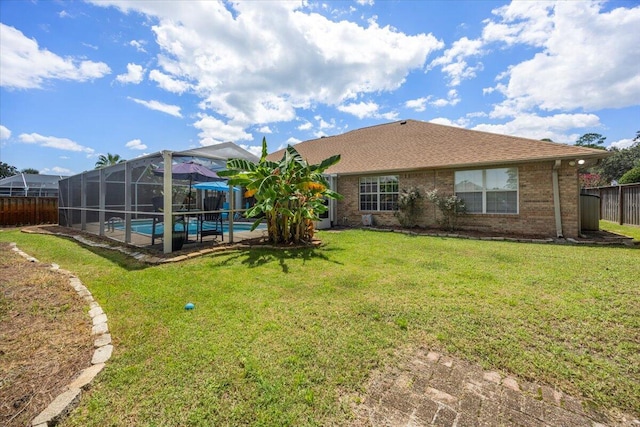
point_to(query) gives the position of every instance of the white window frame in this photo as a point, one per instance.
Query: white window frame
(378, 194)
(486, 191)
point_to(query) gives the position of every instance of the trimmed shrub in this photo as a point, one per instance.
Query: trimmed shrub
(631, 176)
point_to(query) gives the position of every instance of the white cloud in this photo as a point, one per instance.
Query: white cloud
(136, 144)
(451, 99)
(5, 133)
(256, 150)
(520, 22)
(323, 124)
(167, 83)
(621, 144)
(554, 127)
(453, 61)
(589, 61)
(56, 170)
(173, 110)
(305, 126)
(361, 109)
(135, 74)
(419, 104)
(460, 123)
(139, 45)
(259, 62)
(265, 129)
(367, 110)
(25, 66)
(293, 141)
(215, 131)
(391, 115)
(54, 142)
(64, 14)
(582, 58)
(476, 114)
(365, 2)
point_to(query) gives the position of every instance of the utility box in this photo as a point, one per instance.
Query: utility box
(590, 212)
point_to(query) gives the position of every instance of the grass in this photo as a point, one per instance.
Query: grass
(625, 230)
(278, 337)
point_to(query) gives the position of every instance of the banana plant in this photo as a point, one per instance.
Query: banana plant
(289, 193)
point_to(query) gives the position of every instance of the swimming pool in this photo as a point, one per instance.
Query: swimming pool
(145, 226)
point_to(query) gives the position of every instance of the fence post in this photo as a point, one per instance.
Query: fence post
(600, 195)
(620, 206)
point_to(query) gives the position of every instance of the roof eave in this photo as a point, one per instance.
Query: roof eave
(569, 157)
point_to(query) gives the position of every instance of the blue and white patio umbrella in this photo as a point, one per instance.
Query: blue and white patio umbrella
(193, 172)
(215, 186)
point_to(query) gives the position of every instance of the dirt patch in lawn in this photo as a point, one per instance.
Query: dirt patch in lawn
(45, 337)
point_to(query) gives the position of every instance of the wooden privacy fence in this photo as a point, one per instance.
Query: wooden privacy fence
(28, 211)
(619, 203)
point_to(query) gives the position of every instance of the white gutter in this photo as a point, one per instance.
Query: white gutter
(556, 198)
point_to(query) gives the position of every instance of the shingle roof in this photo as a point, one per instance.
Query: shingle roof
(411, 144)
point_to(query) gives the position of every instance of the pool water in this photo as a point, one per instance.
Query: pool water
(146, 226)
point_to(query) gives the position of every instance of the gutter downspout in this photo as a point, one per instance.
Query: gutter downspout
(333, 203)
(556, 199)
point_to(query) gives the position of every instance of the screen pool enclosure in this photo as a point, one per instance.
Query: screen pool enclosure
(131, 201)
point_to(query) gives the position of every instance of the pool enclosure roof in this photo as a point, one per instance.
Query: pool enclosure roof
(223, 151)
(125, 191)
(28, 184)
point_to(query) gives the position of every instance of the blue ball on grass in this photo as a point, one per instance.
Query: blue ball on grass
(189, 306)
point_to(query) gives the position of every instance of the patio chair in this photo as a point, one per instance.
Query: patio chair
(179, 224)
(225, 207)
(210, 223)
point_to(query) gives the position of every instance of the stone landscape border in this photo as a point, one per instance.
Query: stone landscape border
(62, 405)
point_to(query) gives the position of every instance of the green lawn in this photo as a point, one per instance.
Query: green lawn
(277, 337)
(625, 230)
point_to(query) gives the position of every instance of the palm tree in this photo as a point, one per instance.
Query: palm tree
(108, 160)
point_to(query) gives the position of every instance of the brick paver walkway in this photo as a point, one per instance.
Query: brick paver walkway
(433, 389)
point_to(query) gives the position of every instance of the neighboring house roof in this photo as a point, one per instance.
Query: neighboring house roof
(411, 145)
(24, 184)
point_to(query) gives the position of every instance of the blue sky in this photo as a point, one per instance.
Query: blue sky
(80, 79)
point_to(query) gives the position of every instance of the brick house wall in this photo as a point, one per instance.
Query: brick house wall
(536, 216)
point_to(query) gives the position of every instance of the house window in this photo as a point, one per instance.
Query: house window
(488, 190)
(379, 193)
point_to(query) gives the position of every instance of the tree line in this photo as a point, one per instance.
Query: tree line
(622, 167)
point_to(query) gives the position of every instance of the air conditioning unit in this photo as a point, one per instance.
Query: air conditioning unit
(367, 220)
